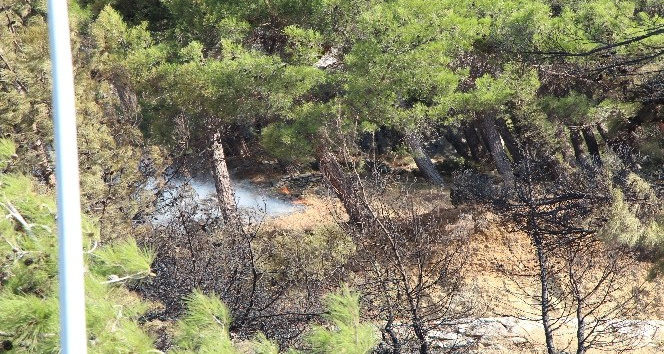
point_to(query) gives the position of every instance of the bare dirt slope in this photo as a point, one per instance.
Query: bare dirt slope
(497, 254)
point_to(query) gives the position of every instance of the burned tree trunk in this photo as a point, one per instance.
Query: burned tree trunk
(545, 305)
(458, 144)
(222, 181)
(503, 163)
(604, 133)
(475, 144)
(345, 189)
(591, 143)
(422, 160)
(394, 340)
(577, 144)
(569, 154)
(510, 143)
(420, 333)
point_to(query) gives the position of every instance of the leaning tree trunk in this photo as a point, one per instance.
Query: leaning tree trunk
(577, 144)
(458, 144)
(569, 155)
(591, 143)
(222, 181)
(475, 144)
(345, 189)
(510, 143)
(422, 159)
(503, 163)
(396, 344)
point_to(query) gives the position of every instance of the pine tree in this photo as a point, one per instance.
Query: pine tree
(112, 151)
(28, 275)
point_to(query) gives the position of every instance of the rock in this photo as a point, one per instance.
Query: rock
(443, 335)
(521, 328)
(486, 327)
(641, 332)
(518, 340)
(499, 348)
(329, 60)
(496, 334)
(447, 344)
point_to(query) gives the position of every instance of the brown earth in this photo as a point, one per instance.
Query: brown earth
(495, 253)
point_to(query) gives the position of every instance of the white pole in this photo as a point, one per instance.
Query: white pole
(73, 336)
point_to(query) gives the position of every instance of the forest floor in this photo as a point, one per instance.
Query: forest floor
(495, 255)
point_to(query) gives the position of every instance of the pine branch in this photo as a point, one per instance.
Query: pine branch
(653, 32)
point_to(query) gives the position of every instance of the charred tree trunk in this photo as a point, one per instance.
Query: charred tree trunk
(458, 143)
(604, 133)
(222, 181)
(565, 147)
(581, 343)
(396, 344)
(503, 163)
(545, 305)
(577, 144)
(591, 143)
(510, 143)
(581, 347)
(475, 144)
(422, 160)
(421, 337)
(479, 127)
(345, 189)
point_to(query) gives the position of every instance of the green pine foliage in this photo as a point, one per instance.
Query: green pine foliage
(294, 139)
(312, 253)
(307, 44)
(121, 261)
(7, 153)
(572, 109)
(111, 146)
(637, 220)
(29, 284)
(204, 329)
(402, 75)
(348, 335)
(31, 321)
(622, 226)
